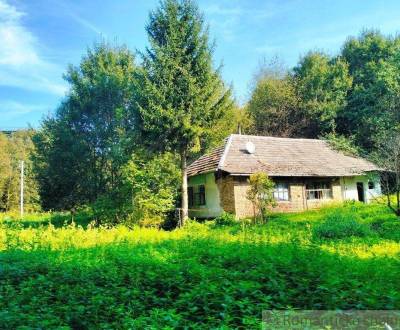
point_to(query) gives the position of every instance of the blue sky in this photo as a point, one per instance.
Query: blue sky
(39, 38)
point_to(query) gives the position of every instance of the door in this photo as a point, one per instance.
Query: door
(360, 191)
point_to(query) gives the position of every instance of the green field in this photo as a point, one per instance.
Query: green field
(202, 276)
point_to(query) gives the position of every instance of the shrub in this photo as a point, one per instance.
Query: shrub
(225, 219)
(386, 227)
(261, 194)
(341, 224)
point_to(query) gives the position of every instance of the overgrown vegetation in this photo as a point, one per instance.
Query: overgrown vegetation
(200, 276)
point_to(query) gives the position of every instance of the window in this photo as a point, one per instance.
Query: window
(197, 195)
(191, 196)
(281, 191)
(201, 195)
(319, 190)
(371, 185)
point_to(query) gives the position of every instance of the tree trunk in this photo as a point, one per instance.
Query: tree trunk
(184, 188)
(398, 201)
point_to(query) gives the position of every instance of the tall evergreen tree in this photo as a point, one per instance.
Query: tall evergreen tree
(182, 96)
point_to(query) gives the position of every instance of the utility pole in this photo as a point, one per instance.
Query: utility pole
(22, 190)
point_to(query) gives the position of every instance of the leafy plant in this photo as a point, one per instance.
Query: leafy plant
(261, 194)
(225, 219)
(341, 224)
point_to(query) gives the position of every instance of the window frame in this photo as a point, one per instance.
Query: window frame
(197, 195)
(190, 196)
(319, 190)
(280, 190)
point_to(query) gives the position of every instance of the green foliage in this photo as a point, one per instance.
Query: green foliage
(322, 85)
(343, 144)
(261, 194)
(202, 275)
(225, 219)
(153, 186)
(341, 224)
(274, 106)
(14, 148)
(387, 155)
(373, 61)
(181, 96)
(80, 151)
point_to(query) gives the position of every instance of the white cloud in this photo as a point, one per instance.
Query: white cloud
(11, 109)
(227, 20)
(20, 62)
(70, 10)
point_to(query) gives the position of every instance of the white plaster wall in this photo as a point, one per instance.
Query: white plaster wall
(349, 187)
(212, 208)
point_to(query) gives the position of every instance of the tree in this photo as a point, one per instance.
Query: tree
(81, 150)
(343, 144)
(322, 84)
(181, 97)
(274, 105)
(5, 170)
(374, 64)
(13, 149)
(387, 156)
(261, 194)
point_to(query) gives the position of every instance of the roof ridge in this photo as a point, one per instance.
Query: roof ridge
(275, 137)
(226, 149)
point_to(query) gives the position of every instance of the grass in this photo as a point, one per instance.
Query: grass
(211, 275)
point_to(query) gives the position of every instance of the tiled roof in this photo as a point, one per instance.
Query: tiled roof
(280, 157)
(206, 163)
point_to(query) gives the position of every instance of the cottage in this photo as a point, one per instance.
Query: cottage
(307, 174)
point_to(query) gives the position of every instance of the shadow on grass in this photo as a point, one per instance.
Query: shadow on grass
(185, 282)
(58, 220)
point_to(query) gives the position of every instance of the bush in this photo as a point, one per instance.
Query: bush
(225, 219)
(341, 224)
(387, 228)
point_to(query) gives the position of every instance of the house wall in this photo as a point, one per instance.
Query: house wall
(226, 187)
(337, 197)
(229, 194)
(244, 208)
(349, 187)
(212, 207)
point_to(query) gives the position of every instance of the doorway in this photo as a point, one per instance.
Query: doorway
(360, 191)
